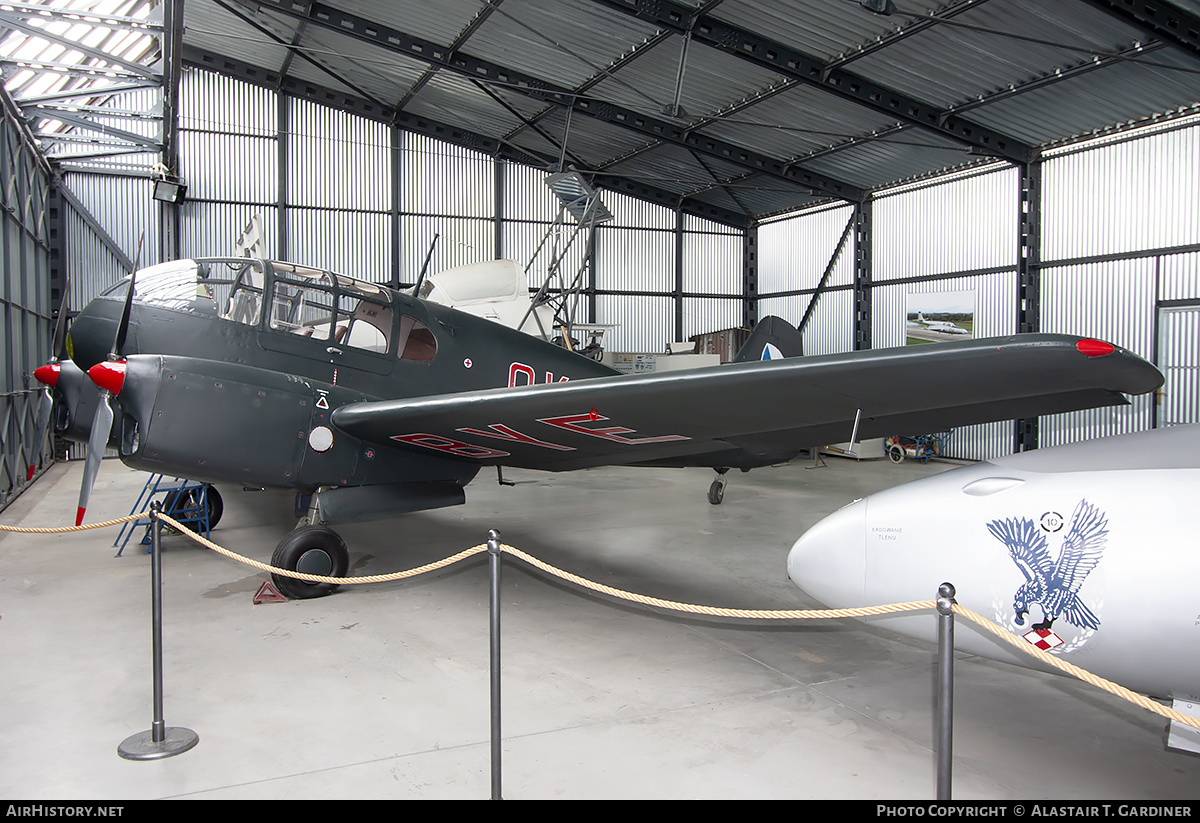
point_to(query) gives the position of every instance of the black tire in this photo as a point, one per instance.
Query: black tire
(311, 550)
(186, 503)
(716, 492)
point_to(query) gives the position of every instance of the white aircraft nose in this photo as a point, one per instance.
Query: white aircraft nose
(829, 560)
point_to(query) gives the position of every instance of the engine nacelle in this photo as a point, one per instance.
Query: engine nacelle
(225, 422)
(220, 422)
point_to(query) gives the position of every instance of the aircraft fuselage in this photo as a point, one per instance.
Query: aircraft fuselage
(246, 349)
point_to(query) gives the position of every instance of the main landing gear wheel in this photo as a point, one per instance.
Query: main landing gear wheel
(310, 550)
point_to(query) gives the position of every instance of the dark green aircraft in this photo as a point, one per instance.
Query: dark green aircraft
(368, 401)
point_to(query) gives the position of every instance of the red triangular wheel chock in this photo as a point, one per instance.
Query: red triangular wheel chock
(268, 594)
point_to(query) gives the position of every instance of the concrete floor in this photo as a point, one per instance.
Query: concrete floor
(381, 691)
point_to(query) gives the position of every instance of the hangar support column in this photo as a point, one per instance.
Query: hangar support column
(1029, 257)
(750, 278)
(862, 275)
(172, 43)
(677, 289)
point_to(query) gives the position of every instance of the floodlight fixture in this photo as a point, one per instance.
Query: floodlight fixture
(169, 191)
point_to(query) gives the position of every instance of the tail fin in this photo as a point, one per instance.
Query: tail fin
(772, 339)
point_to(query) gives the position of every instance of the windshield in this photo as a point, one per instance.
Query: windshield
(212, 288)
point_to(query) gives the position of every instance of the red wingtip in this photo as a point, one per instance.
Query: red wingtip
(1094, 348)
(79, 516)
(48, 374)
(109, 375)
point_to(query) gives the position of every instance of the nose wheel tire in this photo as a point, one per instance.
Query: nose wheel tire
(310, 550)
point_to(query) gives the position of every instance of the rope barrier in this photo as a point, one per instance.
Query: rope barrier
(61, 529)
(747, 614)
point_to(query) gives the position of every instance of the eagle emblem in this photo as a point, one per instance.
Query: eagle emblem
(1054, 585)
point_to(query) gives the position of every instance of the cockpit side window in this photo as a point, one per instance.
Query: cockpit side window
(315, 304)
(243, 298)
(416, 341)
(304, 308)
(368, 325)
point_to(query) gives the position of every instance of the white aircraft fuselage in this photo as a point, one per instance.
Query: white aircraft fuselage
(1089, 550)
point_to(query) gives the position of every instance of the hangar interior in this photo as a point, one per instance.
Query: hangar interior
(836, 163)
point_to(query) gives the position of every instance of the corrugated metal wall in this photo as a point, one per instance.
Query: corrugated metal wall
(229, 156)
(24, 303)
(1120, 251)
(957, 235)
(118, 210)
(710, 277)
(962, 224)
(793, 254)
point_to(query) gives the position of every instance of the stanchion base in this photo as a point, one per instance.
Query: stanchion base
(143, 746)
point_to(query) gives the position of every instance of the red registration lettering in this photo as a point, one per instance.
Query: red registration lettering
(445, 444)
(572, 423)
(503, 432)
(520, 368)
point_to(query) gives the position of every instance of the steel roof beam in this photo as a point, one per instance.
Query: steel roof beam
(14, 22)
(1168, 22)
(790, 62)
(517, 82)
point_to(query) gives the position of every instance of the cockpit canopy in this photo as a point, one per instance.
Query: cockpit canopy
(288, 299)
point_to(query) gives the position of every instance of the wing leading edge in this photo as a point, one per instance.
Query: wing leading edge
(750, 414)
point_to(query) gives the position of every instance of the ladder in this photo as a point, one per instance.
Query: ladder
(178, 503)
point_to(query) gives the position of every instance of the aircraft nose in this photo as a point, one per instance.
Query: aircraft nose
(828, 562)
(90, 339)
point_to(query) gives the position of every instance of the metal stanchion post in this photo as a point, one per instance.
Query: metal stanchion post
(494, 569)
(945, 724)
(159, 741)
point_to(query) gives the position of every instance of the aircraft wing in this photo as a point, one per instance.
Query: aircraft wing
(749, 414)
